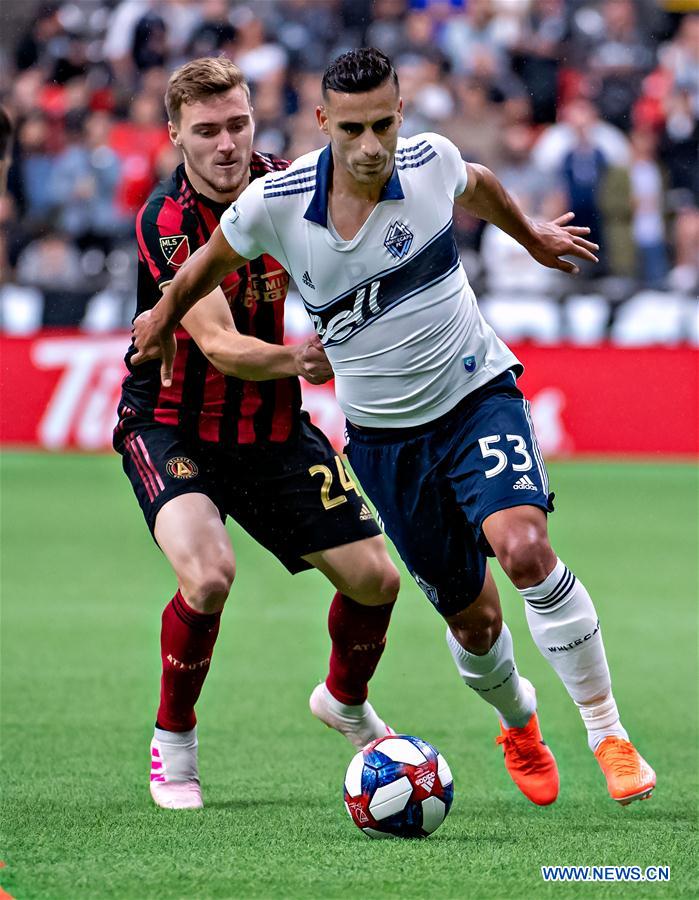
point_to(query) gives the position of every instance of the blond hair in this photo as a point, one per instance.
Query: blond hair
(199, 80)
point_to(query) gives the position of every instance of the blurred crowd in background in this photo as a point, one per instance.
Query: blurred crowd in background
(588, 105)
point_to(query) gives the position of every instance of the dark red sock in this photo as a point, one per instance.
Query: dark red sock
(187, 641)
(358, 635)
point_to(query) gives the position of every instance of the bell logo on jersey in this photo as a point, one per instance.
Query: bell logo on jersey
(175, 249)
(344, 323)
(182, 467)
(350, 312)
(399, 239)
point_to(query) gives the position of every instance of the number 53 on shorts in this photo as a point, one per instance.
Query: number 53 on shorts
(512, 449)
(514, 468)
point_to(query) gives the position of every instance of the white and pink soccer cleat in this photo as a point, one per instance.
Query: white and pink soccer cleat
(359, 724)
(174, 770)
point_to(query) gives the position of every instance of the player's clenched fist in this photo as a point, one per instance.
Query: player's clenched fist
(152, 342)
(312, 362)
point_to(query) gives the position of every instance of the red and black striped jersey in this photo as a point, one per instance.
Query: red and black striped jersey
(174, 222)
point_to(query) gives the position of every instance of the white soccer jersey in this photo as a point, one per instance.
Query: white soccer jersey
(393, 306)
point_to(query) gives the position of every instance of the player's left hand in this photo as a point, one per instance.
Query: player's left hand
(311, 361)
(553, 240)
(153, 342)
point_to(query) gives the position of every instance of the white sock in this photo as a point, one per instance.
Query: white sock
(343, 709)
(178, 751)
(564, 624)
(495, 678)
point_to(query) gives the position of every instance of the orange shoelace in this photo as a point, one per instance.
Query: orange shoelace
(521, 749)
(620, 756)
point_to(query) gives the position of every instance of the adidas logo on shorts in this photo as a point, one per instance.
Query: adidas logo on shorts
(524, 484)
(365, 513)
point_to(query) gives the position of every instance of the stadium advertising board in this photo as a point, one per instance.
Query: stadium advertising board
(60, 390)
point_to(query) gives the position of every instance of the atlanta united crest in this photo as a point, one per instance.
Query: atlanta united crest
(182, 467)
(399, 239)
(175, 249)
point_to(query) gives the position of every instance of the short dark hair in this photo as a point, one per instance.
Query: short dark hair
(5, 133)
(358, 71)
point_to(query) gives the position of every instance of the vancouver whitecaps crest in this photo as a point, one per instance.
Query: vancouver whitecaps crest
(399, 239)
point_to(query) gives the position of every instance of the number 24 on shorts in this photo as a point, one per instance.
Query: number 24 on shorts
(345, 480)
(520, 448)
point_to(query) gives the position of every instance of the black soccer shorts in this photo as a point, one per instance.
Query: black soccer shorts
(294, 498)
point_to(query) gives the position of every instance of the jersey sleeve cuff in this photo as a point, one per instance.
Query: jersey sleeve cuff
(462, 183)
(243, 244)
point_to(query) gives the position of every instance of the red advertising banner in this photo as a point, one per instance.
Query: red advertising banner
(59, 391)
(613, 400)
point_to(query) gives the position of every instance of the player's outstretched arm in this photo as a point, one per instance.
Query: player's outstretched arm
(154, 331)
(547, 242)
(211, 325)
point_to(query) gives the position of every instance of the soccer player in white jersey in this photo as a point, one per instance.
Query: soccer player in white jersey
(439, 434)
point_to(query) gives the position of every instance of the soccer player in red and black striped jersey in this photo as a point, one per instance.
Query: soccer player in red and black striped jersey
(227, 436)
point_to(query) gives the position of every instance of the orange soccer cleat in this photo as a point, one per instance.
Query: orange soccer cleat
(629, 777)
(529, 761)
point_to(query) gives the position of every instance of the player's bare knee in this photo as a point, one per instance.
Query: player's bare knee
(476, 629)
(379, 582)
(526, 556)
(389, 581)
(207, 590)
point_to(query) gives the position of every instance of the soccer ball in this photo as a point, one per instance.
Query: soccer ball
(398, 786)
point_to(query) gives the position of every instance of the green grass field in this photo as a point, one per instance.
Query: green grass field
(82, 591)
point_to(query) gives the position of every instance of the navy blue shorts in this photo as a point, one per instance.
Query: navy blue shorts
(433, 485)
